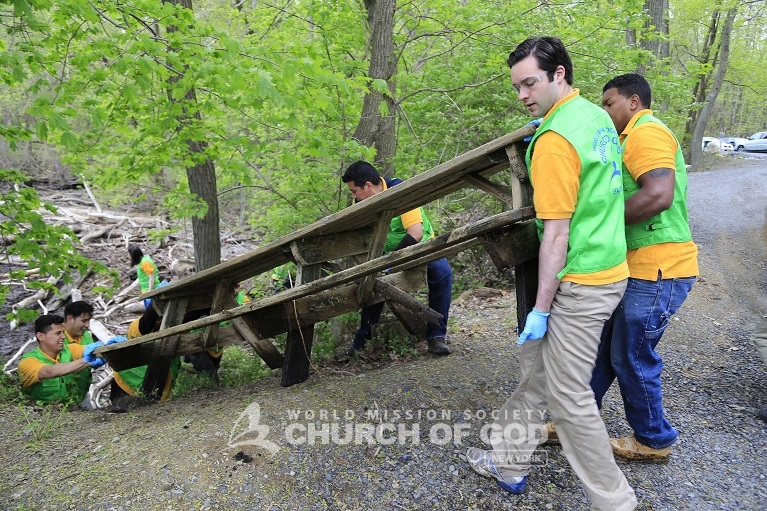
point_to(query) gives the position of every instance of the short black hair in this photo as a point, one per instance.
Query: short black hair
(135, 254)
(360, 172)
(549, 52)
(77, 309)
(630, 84)
(45, 322)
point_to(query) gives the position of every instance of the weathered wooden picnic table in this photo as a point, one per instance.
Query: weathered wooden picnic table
(358, 231)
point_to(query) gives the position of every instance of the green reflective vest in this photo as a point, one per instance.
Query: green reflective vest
(143, 278)
(62, 388)
(397, 231)
(597, 234)
(667, 226)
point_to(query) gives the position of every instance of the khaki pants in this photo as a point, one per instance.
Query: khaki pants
(556, 370)
(759, 338)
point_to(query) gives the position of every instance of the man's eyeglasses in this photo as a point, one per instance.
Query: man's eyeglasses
(528, 83)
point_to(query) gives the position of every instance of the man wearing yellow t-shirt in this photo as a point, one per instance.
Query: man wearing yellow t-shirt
(406, 230)
(663, 262)
(574, 166)
(48, 373)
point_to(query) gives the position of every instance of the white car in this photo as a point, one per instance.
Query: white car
(712, 145)
(756, 142)
(738, 143)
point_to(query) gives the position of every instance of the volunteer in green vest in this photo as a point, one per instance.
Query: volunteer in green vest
(146, 270)
(48, 373)
(77, 320)
(663, 262)
(574, 167)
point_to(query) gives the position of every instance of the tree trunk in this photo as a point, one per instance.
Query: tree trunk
(376, 128)
(701, 88)
(201, 177)
(696, 153)
(657, 23)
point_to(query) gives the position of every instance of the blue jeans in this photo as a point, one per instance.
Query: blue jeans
(627, 352)
(439, 276)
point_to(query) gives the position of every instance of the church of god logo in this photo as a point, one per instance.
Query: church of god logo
(258, 431)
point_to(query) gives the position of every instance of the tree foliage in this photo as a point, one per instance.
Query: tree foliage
(279, 89)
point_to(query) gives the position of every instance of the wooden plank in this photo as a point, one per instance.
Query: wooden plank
(526, 273)
(420, 251)
(377, 244)
(437, 254)
(298, 347)
(265, 349)
(157, 370)
(521, 189)
(512, 246)
(271, 321)
(317, 249)
(414, 315)
(417, 191)
(526, 287)
(223, 298)
(488, 186)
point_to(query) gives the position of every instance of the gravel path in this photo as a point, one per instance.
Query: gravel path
(182, 454)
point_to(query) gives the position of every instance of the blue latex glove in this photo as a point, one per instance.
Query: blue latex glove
(148, 301)
(534, 122)
(116, 338)
(90, 357)
(536, 325)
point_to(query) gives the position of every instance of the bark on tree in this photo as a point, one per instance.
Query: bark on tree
(377, 129)
(202, 180)
(657, 22)
(701, 88)
(700, 127)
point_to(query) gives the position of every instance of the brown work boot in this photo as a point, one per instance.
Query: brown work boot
(629, 448)
(551, 434)
(438, 347)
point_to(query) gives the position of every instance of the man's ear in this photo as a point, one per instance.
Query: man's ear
(39, 336)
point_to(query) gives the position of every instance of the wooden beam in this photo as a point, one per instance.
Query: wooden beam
(521, 189)
(377, 244)
(417, 191)
(317, 249)
(488, 186)
(265, 349)
(298, 346)
(525, 273)
(272, 321)
(513, 245)
(158, 368)
(223, 298)
(414, 315)
(407, 255)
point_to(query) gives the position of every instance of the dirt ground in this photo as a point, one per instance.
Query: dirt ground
(251, 448)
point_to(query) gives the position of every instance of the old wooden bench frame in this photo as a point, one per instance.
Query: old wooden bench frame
(359, 230)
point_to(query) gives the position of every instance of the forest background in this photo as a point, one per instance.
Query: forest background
(244, 114)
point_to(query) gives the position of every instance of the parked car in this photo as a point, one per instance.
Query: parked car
(738, 143)
(756, 142)
(716, 145)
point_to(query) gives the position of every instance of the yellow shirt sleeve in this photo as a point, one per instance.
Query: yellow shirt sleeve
(650, 146)
(412, 217)
(76, 350)
(555, 177)
(133, 330)
(29, 368)
(147, 267)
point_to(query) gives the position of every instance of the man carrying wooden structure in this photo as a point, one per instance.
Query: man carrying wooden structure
(404, 231)
(357, 231)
